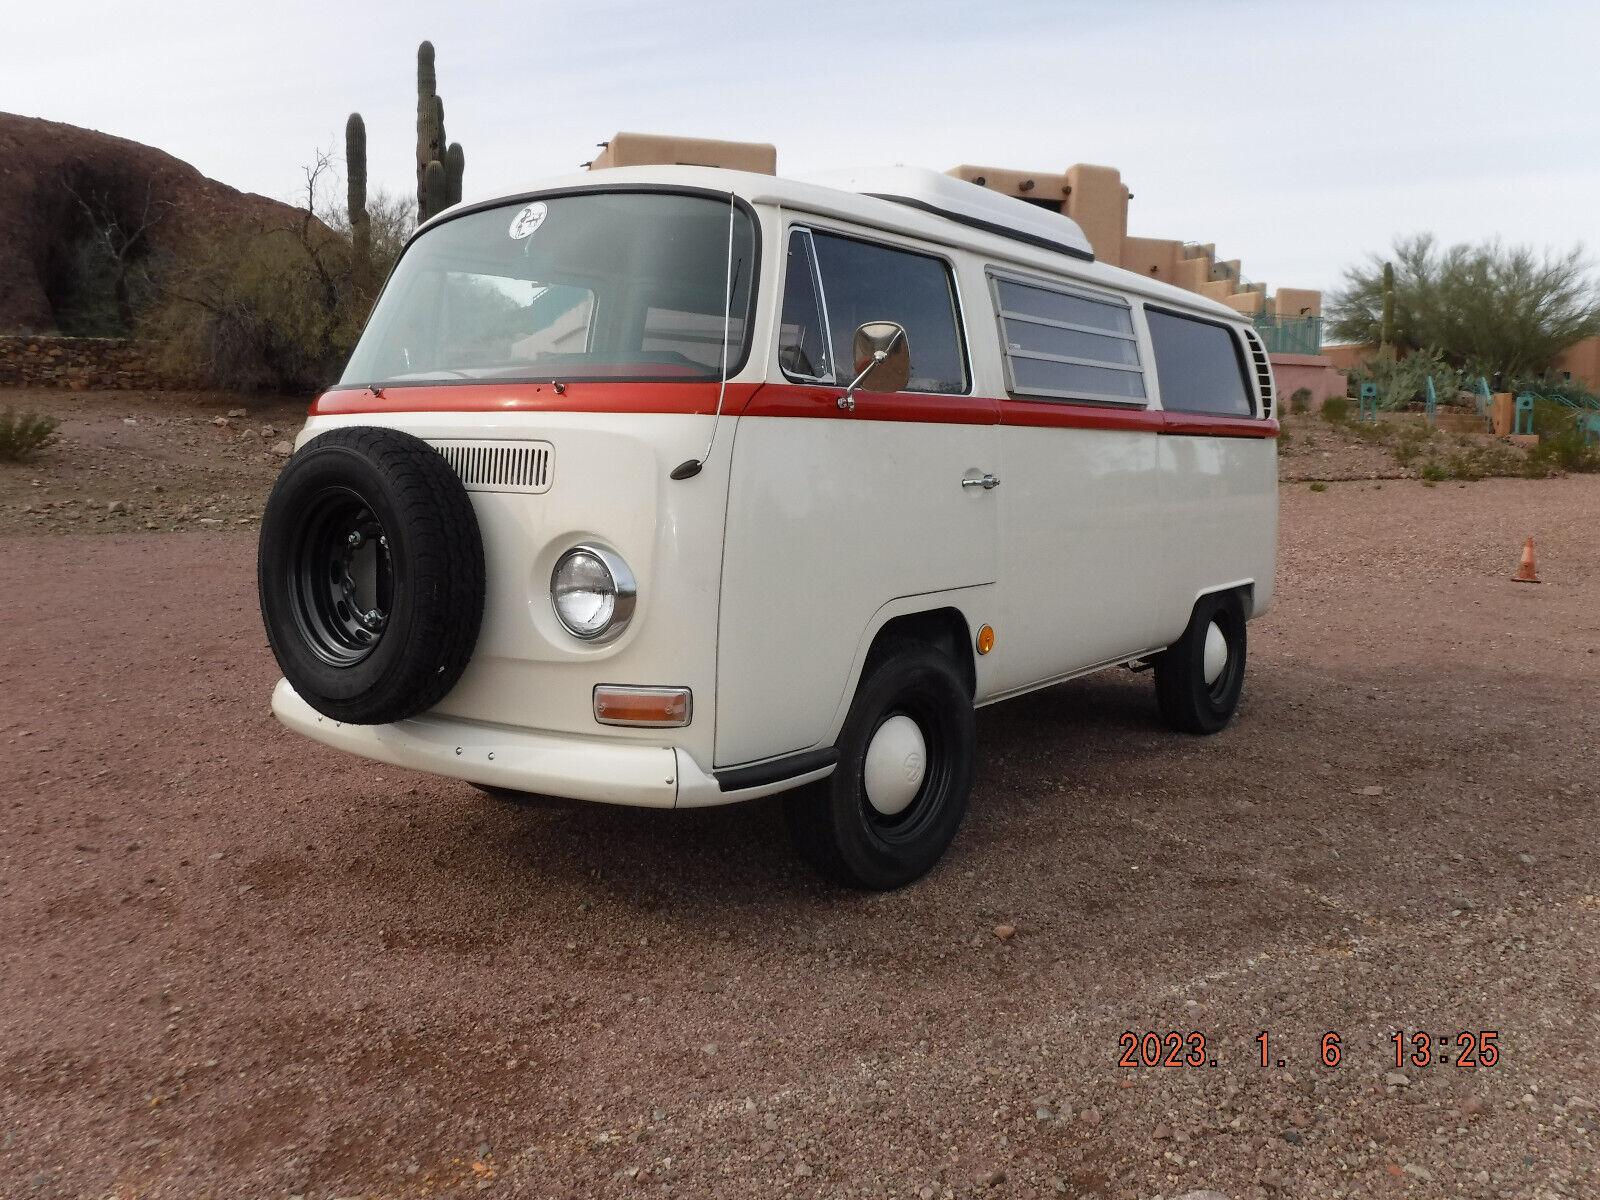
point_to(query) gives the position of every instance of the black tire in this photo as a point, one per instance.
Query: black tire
(1187, 702)
(395, 644)
(835, 826)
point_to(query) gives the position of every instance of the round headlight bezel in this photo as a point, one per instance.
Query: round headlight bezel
(624, 593)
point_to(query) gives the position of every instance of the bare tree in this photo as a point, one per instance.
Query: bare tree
(265, 302)
(122, 232)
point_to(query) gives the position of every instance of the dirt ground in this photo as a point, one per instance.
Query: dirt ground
(1311, 449)
(146, 460)
(235, 963)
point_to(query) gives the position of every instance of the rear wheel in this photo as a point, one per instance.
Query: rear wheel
(1200, 676)
(899, 791)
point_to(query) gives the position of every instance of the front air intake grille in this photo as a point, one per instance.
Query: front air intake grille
(1263, 366)
(501, 466)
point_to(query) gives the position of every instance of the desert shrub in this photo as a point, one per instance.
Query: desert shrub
(1371, 432)
(1407, 451)
(1300, 400)
(1413, 433)
(257, 308)
(1319, 486)
(22, 435)
(1434, 471)
(1335, 408)
(1553, 385)
(1498, 309)
(1561, 442)
(1404, 382)
(274, 307)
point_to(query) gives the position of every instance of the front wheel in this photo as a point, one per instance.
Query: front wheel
(1199, 677)
(906, 761)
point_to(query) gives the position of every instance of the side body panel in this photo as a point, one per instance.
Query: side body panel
(829, 518)
(1220, 497)
(1083, 539)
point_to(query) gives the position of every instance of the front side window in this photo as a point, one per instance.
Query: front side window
(860, 282)
(599, 285)
(1199, 366)
(803, 331)
(1062, 344)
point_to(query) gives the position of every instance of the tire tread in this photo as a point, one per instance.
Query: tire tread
(446, 557)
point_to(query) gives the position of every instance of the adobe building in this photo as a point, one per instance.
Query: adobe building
(1580, 363)
(1289, 320)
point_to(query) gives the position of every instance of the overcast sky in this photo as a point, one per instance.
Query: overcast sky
(1296, 136)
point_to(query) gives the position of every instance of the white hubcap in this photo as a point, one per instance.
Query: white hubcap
(897, 760)
(1216, 653)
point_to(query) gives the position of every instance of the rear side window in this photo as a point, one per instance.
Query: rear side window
(860, 282)
(1199, 365)
(1063, 344)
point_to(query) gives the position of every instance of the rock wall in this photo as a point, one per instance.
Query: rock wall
(79, 363)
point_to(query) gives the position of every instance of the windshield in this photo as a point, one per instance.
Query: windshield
(601, 285)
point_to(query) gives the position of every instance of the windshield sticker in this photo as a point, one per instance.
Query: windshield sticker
(528, 220)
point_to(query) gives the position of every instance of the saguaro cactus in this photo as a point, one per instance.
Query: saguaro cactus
(435, 183)
(355, 170)
(1386, 330)
(430, 116)
(455, 165)
(432, 146)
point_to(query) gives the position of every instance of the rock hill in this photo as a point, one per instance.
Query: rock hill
(61, 186)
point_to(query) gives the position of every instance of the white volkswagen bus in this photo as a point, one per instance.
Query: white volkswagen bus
(680, 486)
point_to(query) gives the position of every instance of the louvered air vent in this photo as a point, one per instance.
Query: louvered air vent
(1263, 366)
(501, 466)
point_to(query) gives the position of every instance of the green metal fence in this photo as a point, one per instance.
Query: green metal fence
(1289, 335)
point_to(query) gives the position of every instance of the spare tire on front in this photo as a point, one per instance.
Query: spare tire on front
(370, 571)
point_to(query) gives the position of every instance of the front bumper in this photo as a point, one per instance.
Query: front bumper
(598, 768)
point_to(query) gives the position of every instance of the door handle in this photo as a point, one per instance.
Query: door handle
(987, 482)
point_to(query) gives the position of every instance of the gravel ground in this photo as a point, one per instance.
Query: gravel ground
(146, 460)
(237, 964)
(1314, 450)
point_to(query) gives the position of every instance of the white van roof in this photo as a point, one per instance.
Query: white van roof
(965, 203)
(907, 200)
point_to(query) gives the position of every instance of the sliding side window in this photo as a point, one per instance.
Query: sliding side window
(1064, 344)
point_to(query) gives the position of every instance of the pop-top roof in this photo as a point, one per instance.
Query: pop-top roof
(966, 203)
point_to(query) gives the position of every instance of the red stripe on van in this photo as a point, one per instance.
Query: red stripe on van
(688, 399)
(1201, 425)
(797, 400)
(1055, 414)
(778, 400)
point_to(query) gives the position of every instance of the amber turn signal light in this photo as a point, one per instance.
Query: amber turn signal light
(985, 639)
(654, 707)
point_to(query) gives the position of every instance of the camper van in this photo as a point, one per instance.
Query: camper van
(680, 486)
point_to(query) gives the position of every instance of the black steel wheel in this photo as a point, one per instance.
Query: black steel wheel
(370, 573)
(340, 577)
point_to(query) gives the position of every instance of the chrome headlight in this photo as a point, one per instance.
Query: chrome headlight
(593, 593)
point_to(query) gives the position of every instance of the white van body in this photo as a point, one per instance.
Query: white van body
(765, 578)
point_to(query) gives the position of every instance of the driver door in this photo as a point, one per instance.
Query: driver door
(834, 511)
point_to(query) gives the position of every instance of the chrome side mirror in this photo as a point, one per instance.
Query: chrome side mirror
(882, 360)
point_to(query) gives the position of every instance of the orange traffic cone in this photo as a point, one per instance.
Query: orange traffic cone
(1526, 572)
